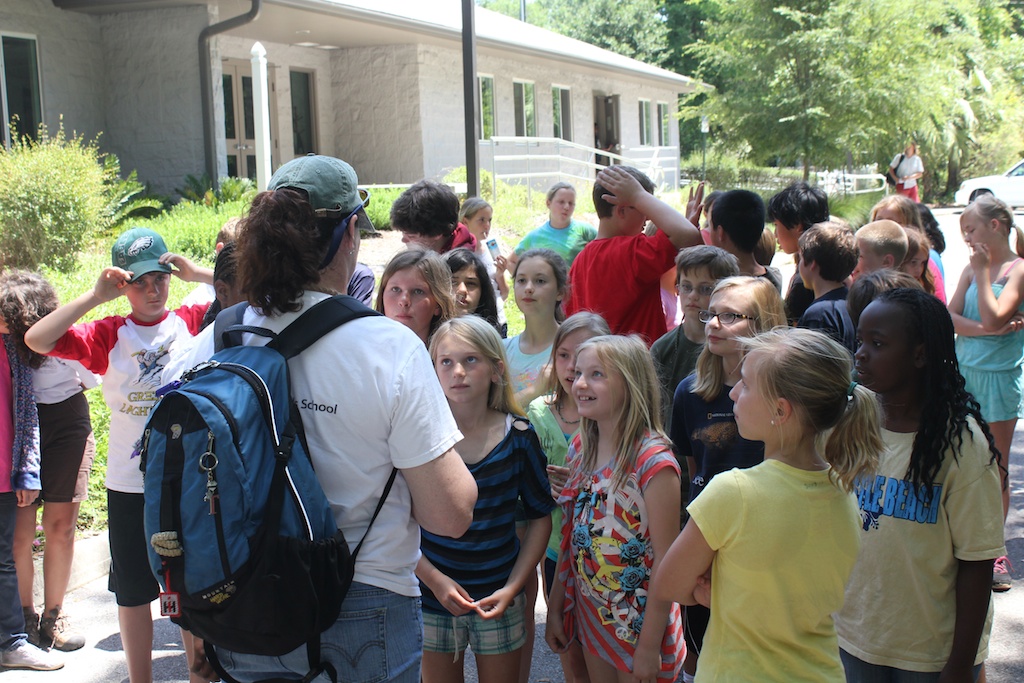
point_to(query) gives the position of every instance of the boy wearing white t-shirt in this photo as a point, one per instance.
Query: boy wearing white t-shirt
(130, 352)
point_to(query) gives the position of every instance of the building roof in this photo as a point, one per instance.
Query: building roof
(343, 23)
(443, 18)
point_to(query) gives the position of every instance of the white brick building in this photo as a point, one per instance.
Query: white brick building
(377, 82)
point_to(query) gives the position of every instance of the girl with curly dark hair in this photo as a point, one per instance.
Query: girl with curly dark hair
(932, 515)
(66, 454)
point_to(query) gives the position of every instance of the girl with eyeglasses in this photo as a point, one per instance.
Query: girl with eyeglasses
(703, 422)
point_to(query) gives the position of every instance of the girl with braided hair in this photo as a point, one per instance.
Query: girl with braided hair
(919, 597)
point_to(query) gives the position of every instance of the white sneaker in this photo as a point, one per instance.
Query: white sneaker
(25, 655)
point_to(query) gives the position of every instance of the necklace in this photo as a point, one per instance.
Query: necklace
(558, 409)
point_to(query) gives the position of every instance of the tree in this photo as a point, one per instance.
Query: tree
(818, 82)
(634, 28)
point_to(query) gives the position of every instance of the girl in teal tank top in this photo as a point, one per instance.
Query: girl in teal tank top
(987, 317)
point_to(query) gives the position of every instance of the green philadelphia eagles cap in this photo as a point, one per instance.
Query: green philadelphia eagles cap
(138, 250)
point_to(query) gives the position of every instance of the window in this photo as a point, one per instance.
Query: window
(664, 139)
(526, 111)
(561, 108)
(20, 93)
(486, 107)
(645, 123)
(303, 121)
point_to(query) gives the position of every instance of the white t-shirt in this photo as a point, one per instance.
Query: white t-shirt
(57, 380)
(369, 400)
(909, 166)
(203, 293)
(131, 356)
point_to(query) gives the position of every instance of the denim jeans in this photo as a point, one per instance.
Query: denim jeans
(859, 671)
(12, 621)
(378, 637)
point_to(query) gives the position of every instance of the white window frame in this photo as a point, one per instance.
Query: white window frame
(526, 125)
(664, 123)
(494, 113)
(645, 123)
(6, 123)
(562, 124)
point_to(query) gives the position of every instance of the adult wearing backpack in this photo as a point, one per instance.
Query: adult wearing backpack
(369, 401)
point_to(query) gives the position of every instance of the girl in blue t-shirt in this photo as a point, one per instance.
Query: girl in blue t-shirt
(703, 423)
(473, 585)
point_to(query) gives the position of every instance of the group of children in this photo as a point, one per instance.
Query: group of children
(586, 432)
(891, 498)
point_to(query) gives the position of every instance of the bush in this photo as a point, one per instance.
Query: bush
(191, 228)
(726, 172)
(379, 208)
(52, 199)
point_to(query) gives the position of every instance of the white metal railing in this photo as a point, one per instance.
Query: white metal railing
(538, 163)
(841, 182)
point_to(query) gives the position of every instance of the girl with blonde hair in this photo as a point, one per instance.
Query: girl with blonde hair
(781, 537)
(473, 586)
(556, 419)
(704, 427)
(620, 506)
(988, 316)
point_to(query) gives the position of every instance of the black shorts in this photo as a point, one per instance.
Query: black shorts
(695, 625)
(131, 579)
(66, 450)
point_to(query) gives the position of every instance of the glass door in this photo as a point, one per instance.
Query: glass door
(240, 122)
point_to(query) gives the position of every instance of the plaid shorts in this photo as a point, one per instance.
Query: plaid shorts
(447, 633)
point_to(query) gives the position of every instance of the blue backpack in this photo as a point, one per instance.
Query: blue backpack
(242, 538)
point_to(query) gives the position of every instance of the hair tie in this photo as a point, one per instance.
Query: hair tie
(849, 391)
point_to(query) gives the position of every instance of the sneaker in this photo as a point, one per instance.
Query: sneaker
(31, 625)
(1001, 580)
(55, 631)
(24, 655)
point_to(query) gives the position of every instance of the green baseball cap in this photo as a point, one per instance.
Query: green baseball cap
(330, 183)
(138, 250)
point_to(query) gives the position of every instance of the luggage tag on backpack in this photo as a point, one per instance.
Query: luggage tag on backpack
(170, 601)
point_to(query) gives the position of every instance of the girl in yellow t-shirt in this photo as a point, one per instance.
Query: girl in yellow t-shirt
(779, 538)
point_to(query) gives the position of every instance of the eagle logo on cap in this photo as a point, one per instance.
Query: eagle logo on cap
(140, 245)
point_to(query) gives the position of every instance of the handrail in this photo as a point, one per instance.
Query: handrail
(573, 161)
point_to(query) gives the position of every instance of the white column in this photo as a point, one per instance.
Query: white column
(261, 114)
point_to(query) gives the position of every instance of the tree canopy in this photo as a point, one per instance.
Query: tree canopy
(828, 83)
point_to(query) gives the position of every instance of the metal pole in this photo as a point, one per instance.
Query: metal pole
(470, 97)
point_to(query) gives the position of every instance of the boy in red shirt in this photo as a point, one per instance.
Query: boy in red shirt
(618, 274)
(130, 352)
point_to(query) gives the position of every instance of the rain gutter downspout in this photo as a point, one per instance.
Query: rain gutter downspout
(206, 82)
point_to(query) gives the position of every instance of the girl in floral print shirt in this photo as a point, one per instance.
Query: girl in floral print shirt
(620, 504)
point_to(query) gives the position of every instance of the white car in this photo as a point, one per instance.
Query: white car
(1009, 187)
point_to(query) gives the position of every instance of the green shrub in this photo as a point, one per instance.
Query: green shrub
(52, 199)
(727, 172)
(191, 228)
(379, 208)
(199, 190)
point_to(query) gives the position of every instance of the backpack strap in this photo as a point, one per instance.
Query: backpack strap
(380, 504)
(317, 321)
(228, 318)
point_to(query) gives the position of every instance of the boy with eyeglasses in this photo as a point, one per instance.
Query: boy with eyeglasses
(698, 270)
